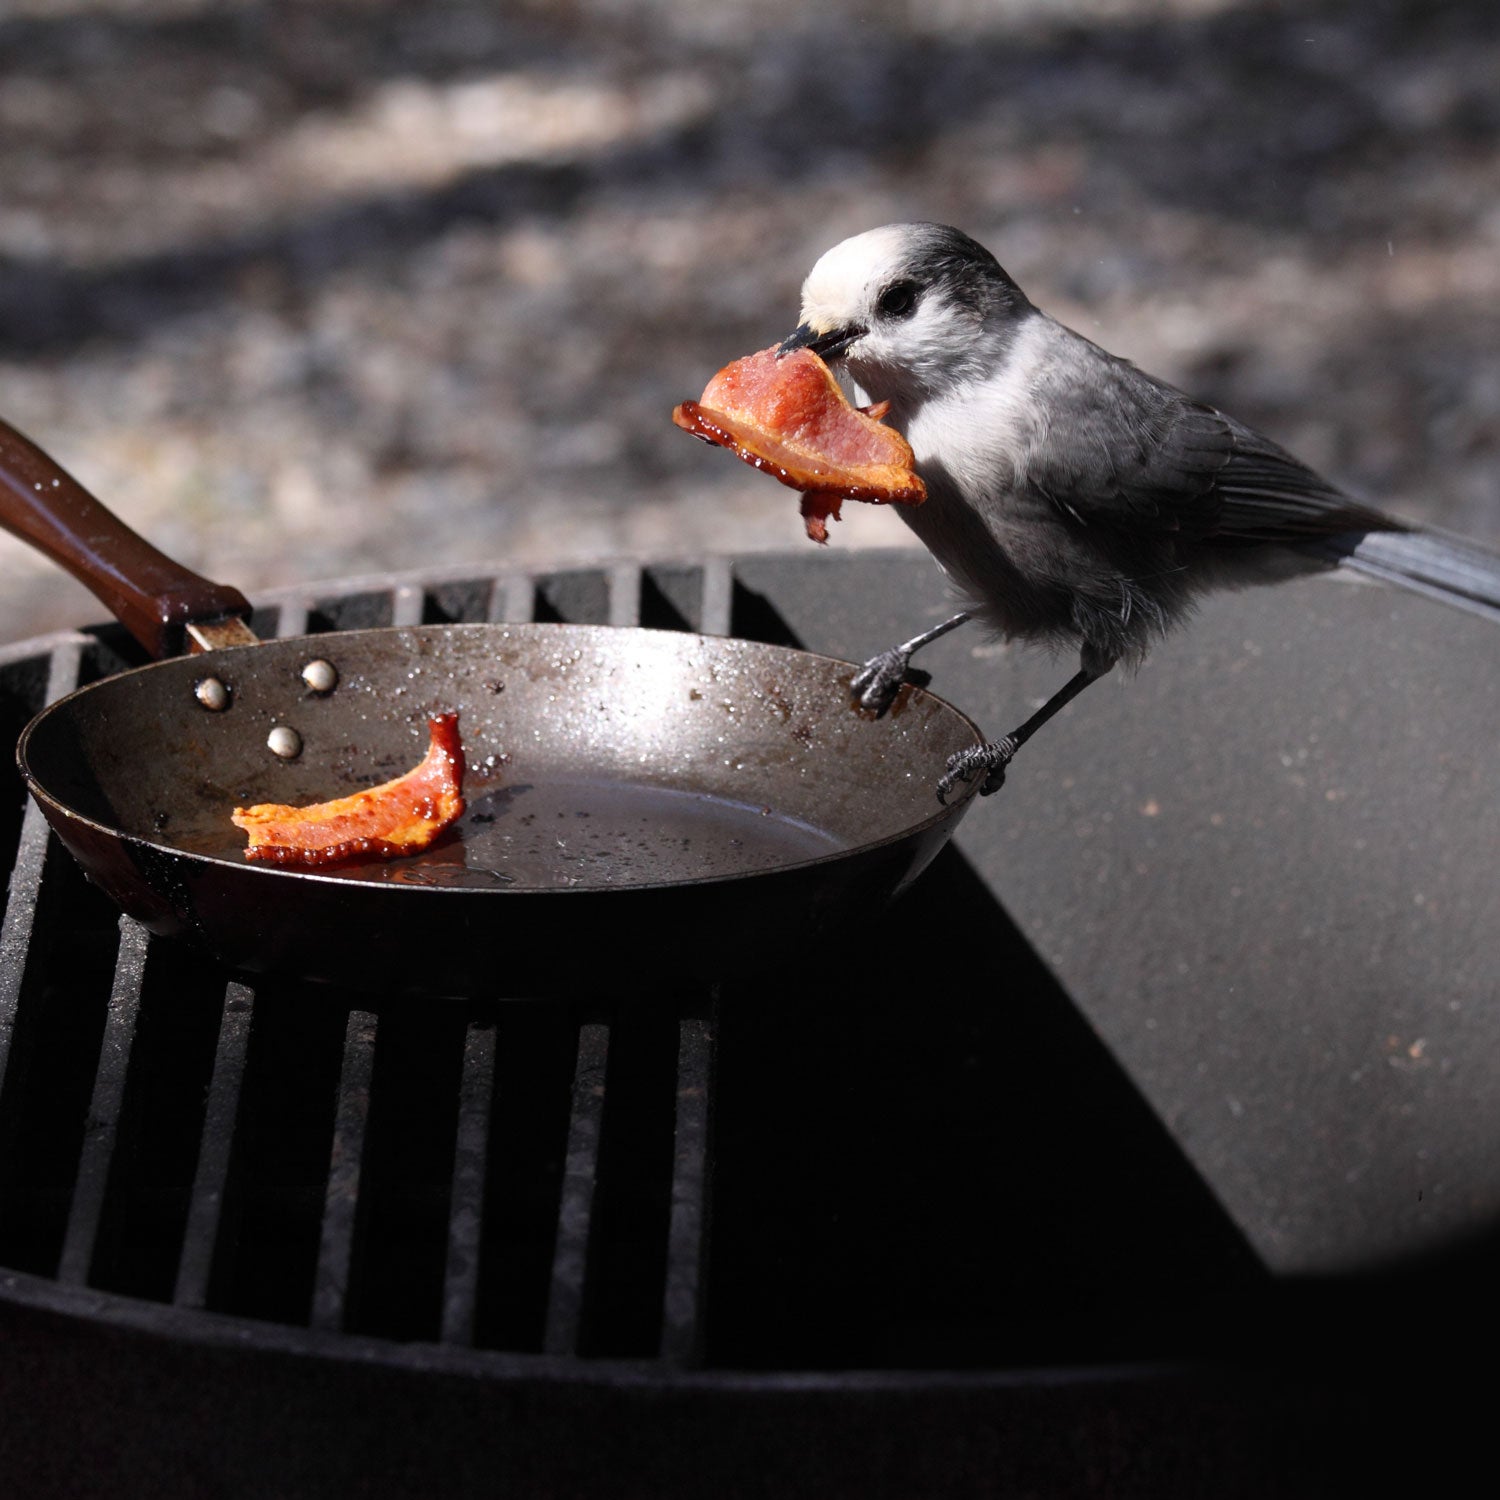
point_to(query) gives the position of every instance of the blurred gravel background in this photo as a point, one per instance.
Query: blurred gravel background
(312, 288)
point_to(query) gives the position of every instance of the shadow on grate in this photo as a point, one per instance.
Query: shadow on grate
(346, 1195)
(55, 1037)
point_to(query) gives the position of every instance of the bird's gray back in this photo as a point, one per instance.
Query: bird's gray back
(1074, 497)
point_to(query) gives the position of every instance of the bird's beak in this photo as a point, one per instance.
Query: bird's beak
(827, 345)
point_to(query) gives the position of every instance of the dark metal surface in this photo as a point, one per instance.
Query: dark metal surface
(1266, 871)
(1088, 1169)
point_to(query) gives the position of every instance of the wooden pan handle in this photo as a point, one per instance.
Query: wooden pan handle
(149, 594)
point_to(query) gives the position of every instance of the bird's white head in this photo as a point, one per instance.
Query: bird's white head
(912, 308)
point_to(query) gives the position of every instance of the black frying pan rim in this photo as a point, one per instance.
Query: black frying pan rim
(943, 812)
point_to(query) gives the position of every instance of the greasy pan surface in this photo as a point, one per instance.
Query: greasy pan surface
(635, 796)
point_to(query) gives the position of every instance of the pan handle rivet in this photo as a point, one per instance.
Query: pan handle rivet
(285, 742)
(320, 676)
(212, 694)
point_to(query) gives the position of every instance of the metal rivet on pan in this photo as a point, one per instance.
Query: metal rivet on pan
(284, 741)
(320, 676)
(212, 694)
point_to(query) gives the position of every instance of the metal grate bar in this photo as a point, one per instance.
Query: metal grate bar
(407, 604)
(576, 1209)
(470, 1165)
(104, 1107)
(681, 1339)
(624, 595)
(20, 911)
(341, 1201)
(291, 617)
(718, 596)
(63, 668)
(221, 1114)
(512, 599)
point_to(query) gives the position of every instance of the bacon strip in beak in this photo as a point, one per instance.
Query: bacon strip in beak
(401, 817)
(785, 414)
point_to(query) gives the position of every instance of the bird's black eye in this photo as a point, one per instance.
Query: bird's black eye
(898, 300)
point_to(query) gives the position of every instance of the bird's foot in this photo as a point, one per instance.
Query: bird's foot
(876, 684)
(991, 759)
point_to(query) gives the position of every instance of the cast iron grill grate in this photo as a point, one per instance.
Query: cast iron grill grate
(894, 1224)
(533, 1174)
(521, 1173)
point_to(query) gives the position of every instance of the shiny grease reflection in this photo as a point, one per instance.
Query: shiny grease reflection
(594, 833)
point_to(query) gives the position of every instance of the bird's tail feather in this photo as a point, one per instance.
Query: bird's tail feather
(1451, 568)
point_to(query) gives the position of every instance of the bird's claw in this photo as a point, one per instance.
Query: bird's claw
(876, 684)
(965, 765)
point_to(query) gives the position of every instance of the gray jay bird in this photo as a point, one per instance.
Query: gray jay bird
(1072, 498)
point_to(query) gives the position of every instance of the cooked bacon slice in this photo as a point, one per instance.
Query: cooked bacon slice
(785, 414)
(398, 818)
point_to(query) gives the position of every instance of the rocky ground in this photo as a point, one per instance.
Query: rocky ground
(312, 289)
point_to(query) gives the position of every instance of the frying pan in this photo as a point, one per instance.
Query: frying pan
(641, 803)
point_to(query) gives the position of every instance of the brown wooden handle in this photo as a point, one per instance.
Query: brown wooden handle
(149, 594)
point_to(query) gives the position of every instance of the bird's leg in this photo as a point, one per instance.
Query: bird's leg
(993, 758)
(876, 683)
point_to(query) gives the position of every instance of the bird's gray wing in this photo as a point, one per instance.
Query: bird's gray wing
(1267, 495)
(1124, 448)
(1118, 448)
